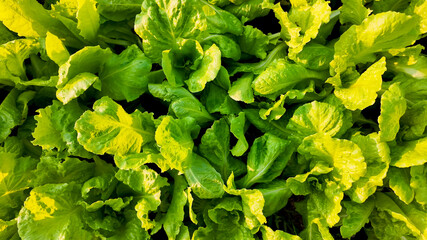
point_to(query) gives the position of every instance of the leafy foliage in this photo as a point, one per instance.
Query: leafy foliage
(213, 119)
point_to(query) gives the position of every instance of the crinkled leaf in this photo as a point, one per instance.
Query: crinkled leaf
(147, 183)
(315, 56)
(253, 204)
(316, 117)
(52, 211)
(345, 156)
(393, 106)
(253, 41)
(363, 92)
(109, 129)
(174, 139)
(377, 157)
(393, 219)
(377, 33)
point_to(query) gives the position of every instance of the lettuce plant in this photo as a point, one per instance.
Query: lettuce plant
(213, 119)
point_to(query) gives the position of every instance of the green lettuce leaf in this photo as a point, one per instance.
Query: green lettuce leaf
(253, 41)
(124, 76)
(162, 24)
(316, 117)
(353, 11)
(147, 184)
(357, 215)
(52, 211)
(208, 70)
(275, 194)
(386, 31)
(399, 181)
(87, 19)
(393, 106)
(252, 202)
(173, 136)
(301, 24)
(393, 219)
(249, 10)
(12, 56)
(363, 92)
(410, 153)
(344, 156)
(241, 89)
(418, 183)
(119, 132)
(203, 179)
(377, 157)
(55, 49)
(215, 147)
(16, 177)
(28, 18)
(53, 170)
(119, 10)
(281, 76)
(266, 160)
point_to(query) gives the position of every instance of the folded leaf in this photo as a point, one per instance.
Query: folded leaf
(399, 181)
(345, 156)
(266, 160)
(88, 19)
(353, 11)
(124, 76)
(281, 76)
(377, 157)
(388, 30)
(253, 204)
(394, 219)
(207, 71)
(77, 86)
(241, 89)
(203, 179)
(147, 183)
(393, 106)
(411, 153)
(363, 92)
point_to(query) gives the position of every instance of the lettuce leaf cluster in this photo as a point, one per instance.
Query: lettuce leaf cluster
(213, 119)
